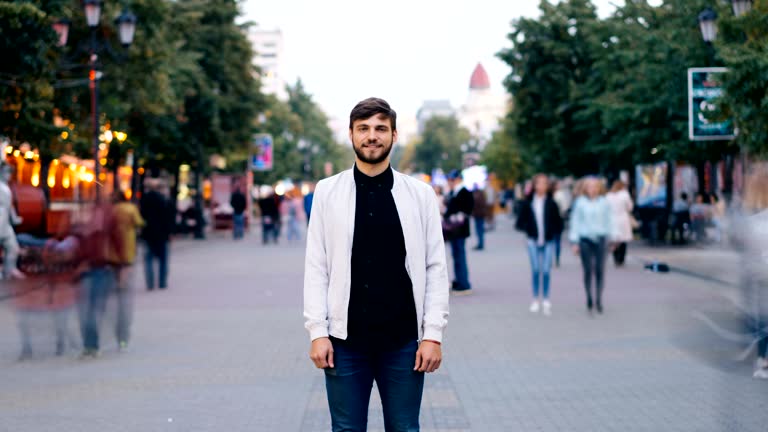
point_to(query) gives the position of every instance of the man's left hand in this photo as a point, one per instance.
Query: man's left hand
(428, 357)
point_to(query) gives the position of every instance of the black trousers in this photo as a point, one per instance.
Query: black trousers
(593, 263)
(620, 254)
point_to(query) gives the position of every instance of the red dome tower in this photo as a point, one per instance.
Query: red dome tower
(479, 79)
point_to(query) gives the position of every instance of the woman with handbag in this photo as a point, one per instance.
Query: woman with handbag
(540, 220)
(621, 217)
(589, 230)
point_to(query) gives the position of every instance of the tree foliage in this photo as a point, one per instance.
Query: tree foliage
(599, 95)
(744, 49)
(185, 89)
(27, 71)
(440, 145)
(502, 155)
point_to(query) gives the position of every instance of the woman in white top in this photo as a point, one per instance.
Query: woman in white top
(589, 230)
(621, 219)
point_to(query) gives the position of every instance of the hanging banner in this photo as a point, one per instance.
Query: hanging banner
(704, 88)
(262, 152)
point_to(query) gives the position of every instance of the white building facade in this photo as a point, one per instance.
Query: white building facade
(484, 109)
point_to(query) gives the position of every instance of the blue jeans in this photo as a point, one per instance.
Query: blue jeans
(294, 230)
(96, 286)
(158, 251)
(558, 247)
(541, 264)
(460, 269)
(480, 228)
(350, 382)
(238, 224)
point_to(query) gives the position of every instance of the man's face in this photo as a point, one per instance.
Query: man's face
(372, 139)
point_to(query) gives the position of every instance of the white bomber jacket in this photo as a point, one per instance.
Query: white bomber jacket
(328, 265)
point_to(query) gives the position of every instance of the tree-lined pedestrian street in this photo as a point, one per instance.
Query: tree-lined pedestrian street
(224, 349)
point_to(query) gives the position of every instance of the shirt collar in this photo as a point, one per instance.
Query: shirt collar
(385, 180)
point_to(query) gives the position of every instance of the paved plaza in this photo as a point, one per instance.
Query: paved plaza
(224, 349)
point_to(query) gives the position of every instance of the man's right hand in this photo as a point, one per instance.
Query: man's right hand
(321, 353)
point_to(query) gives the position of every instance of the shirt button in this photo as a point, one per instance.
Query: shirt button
(365, 286)
(370, 214)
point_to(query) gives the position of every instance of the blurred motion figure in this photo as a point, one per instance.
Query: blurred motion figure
(750, 236)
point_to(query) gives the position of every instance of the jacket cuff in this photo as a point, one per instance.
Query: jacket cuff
(433, 333)
(317, 333)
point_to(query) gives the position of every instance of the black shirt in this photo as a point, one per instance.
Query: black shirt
(382, 312)
(238, 202)
(159, 216)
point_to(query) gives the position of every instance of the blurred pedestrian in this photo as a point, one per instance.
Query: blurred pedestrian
(270, 218)
(375, 284)
(99, 248)
(293, 206)
(590, 228)
(127, 221)
(563, 198)
(8, 218)
(701, 216)
(239, 204)
(750, 236)
(491, 198)
(456, 228)
(540, 220)
(158, 215)
(621, 218)
(308, 201)
(479, 214)
(681, 218)
(718, 215)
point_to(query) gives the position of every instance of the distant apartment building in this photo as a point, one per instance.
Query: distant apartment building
(268, 47)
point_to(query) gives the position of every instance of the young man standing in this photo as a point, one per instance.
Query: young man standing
(376, 284)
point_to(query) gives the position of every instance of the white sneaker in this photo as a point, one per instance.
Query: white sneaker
(760, 374)
(535, 307)
(546, 307)
(761, 363)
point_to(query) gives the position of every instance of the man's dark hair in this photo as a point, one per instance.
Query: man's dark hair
(370, 107)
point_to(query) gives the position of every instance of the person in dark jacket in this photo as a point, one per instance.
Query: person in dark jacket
(457, 214)
(270, 218)
(239, 204)
(540, 220)
(158, 214)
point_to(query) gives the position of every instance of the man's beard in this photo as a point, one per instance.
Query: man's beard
(359, 151)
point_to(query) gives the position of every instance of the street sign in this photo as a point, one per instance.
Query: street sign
(262, 152)
(704, 88)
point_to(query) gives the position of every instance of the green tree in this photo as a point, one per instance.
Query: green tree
(639, 87)
(440, 145)
(27, 71)
(502, 155)
(551, 56)
(744, 48)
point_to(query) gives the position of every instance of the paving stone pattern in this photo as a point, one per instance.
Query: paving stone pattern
(224, 349)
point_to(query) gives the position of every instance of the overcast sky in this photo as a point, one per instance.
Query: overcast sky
(404, 51)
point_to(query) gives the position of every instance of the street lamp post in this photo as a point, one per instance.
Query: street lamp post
(741, 7)
(126, 24)
(708, 25)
